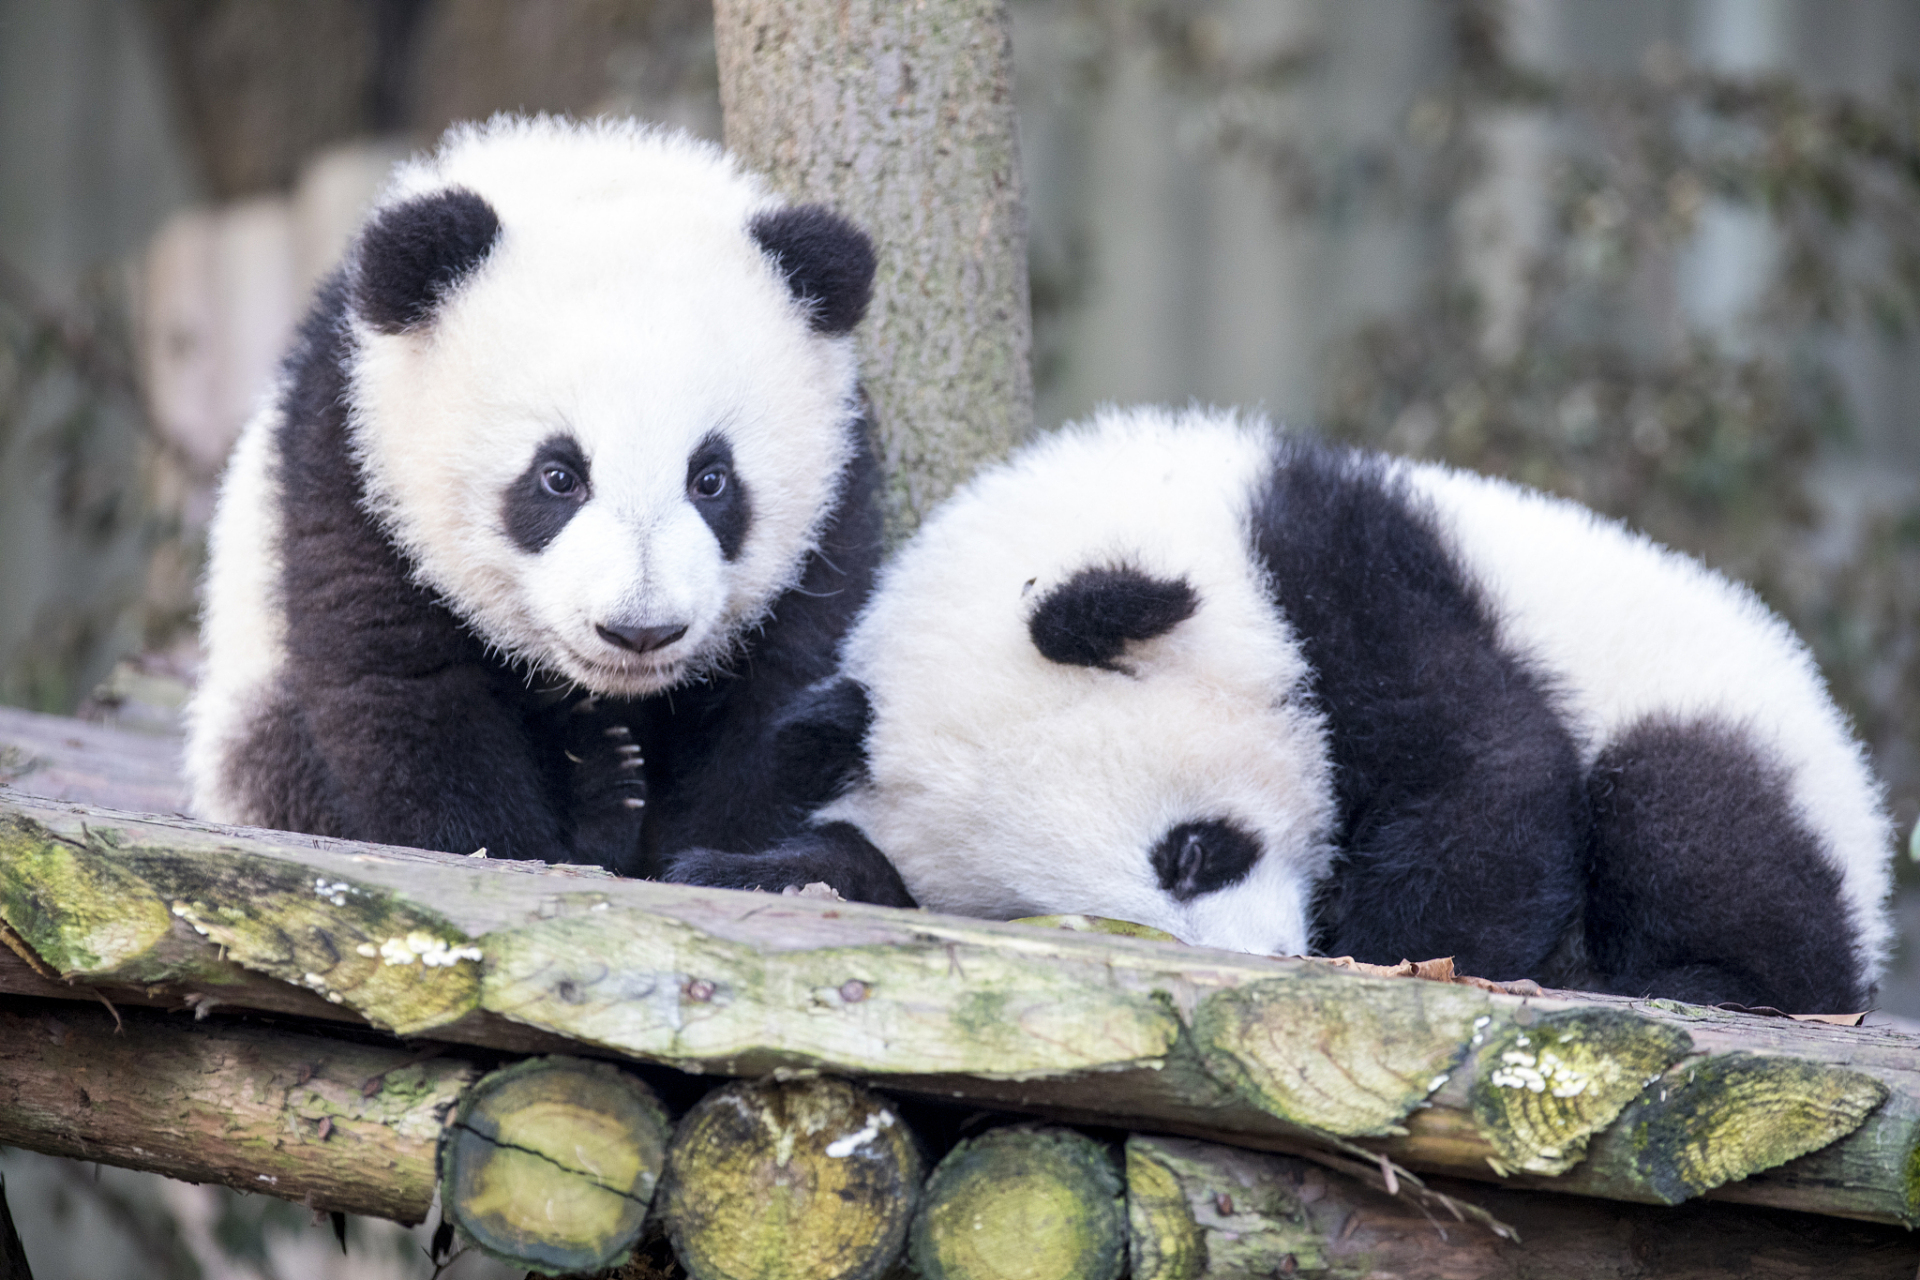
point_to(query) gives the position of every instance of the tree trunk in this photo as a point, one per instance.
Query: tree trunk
(900, 116)
(331, 1123)
(1289, 1055)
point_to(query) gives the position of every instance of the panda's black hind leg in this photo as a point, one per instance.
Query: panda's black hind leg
(1705, 885)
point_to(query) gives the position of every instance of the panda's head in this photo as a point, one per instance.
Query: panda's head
(602, 390)
(1083, 698)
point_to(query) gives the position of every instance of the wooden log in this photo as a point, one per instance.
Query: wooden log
(1286, 1055)
(1022, 1203)
(551, 1163)
(1203, 1209)
(68, 759)
(811, 1179)
(331, 1123)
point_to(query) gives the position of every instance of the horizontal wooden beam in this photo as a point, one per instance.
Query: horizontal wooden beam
(1602, 1097)
(330, 1122)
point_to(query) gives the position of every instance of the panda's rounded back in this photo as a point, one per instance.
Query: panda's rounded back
(1634, 634)
(1003, 782)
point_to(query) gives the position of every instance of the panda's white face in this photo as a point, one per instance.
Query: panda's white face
(1083, 699)
(613, 445)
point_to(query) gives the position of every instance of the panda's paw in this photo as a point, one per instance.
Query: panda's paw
(609, 794)
(836, 855)
(712, 869)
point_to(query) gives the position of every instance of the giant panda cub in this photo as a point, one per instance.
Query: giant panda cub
(1276, 696)
(564, 492)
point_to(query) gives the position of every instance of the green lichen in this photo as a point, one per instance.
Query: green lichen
(1541, 1091)
(81, 913)
(1315, 1049)
(400, 965)
(1165, 1243)
(1718, 1120)
(1913, 1181)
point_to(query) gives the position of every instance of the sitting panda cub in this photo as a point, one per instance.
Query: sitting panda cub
(1271, 695)
(564, 492)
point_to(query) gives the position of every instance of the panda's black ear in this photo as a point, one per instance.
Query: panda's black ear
(413, 255)
(828, 262)
(1087, 620)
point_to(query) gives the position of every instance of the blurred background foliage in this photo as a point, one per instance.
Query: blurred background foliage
(1662, 256)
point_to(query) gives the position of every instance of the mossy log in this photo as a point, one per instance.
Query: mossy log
(328, 1122)
(1202, 1209)
(811, 1179)
(1023, 1203)
(551, 1163)
(1668, 1101)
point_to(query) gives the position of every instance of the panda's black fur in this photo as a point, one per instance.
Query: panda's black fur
(391, 713)
(1481, 793)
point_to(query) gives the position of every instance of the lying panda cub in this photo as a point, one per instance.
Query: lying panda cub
(565, 490)
(1271, 695)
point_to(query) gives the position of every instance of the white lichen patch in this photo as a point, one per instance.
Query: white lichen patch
(1546, 1072)
(333, 891)
(431, 952)
(878, 1122)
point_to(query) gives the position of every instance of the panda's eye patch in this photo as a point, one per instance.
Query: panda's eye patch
(719, 493)
(1203, 857)
(710, 483)
(541, 500)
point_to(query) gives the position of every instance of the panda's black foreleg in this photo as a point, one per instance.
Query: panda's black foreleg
(1705, 884)
(435, 761)
(836, 854)
(606, 788)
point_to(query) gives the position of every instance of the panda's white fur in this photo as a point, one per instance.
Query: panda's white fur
(1001, 783)
(242, 627)
(626, 300)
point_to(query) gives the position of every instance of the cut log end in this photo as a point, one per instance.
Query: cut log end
(1038, 1203)
(551, 1163)
(811, 1179)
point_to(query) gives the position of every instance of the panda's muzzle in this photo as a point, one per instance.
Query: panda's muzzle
(641, 639)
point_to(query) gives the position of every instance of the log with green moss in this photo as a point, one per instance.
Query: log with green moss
(331, 1123)
(1630, 1100)
(811, 1179)
(551, 1163)
(1202, 1209)
(1024, 1202)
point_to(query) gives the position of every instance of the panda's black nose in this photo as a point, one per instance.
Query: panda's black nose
(642, 639)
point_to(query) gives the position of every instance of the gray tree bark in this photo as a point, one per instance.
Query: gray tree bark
(900, 116)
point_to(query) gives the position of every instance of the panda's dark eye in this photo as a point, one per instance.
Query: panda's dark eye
(710, 483)
(559, 481)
